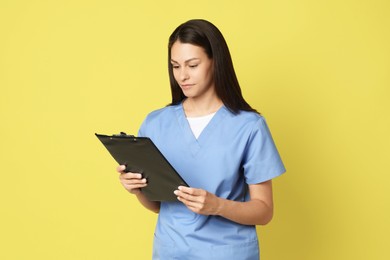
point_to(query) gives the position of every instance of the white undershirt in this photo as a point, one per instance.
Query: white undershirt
(197, 124)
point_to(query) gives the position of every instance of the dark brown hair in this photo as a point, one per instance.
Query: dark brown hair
(204, 34)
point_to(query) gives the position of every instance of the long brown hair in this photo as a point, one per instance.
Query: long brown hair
(204, 34)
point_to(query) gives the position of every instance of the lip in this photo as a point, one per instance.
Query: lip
(186, 86)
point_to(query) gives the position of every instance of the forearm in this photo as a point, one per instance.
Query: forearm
(253, 212)
(150, 205)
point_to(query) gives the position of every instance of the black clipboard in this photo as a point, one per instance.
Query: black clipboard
(140, 154)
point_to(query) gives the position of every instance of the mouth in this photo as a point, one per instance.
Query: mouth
(186, 86)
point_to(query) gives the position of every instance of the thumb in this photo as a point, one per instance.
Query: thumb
(121, 168)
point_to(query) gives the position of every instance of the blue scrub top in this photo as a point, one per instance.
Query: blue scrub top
(232, 151)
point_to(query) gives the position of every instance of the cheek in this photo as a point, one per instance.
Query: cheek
(208, 74)
(175, 74)
(209, 77)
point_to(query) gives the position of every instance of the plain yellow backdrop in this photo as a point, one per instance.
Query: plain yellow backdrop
(317, 70)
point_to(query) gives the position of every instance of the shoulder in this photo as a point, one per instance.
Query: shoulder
(161, 113)
(248, 118)
(248, 124)
(157, 120)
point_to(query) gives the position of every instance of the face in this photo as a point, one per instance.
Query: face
(192, 69)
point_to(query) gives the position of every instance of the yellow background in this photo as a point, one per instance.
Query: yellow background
(318, 71)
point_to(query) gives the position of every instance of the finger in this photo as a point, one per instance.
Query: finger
(185, 189)
(130, 175)
(133, 189)
(192, 205)
(192, 191)
(133, 186)
(185, 196)
(134, 181)
(121, 168)
(132, 178)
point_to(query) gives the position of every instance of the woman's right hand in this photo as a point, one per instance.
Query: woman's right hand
(132, 182)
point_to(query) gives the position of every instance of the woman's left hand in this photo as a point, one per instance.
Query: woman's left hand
(198, 200)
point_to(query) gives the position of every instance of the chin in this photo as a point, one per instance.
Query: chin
(188, 94)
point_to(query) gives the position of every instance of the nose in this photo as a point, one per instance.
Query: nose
(183, 74)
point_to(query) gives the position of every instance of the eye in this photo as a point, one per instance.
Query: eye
(175, 66)
(193, 65)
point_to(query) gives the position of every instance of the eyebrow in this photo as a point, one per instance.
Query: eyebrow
(186, 61)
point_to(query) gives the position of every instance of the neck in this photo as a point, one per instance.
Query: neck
(200, 107)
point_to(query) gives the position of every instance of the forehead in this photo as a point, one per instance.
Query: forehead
(186, 51)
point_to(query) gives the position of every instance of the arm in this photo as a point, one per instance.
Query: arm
(257, 211)
(133, 183)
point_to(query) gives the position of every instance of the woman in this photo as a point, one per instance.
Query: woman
(219, 144)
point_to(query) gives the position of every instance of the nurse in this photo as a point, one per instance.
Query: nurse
(219, 144)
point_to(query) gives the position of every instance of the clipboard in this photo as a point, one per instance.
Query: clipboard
(140, 154)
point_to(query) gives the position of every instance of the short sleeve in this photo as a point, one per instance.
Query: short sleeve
(145, 128)
(142, 129)
(148, 128)
(261, 161)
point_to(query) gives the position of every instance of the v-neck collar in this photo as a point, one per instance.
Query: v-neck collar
(193, 143)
